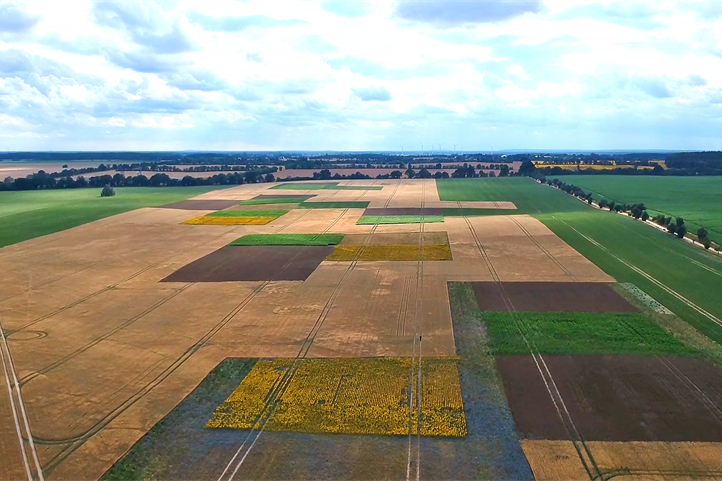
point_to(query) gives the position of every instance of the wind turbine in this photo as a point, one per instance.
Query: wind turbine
(422, 148)
(440, 147)
(454, 148)
(402, 149)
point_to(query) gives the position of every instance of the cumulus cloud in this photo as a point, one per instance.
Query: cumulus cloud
(518, 71)
(458, 12)
(238, 24)
(15, 19)
(146, 23)
(369, 94)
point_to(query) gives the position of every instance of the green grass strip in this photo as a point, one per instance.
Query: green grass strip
(582, 333)
(399, 219)
(474, 211)
(326, 185)
(249, 213)
(334, 205)
(288, 240)
(275, 200)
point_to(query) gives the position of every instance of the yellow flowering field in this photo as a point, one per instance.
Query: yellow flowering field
(242, 220)
(436, 252)
(352, 396)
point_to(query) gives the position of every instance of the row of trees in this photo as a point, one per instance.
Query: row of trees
(43, 181)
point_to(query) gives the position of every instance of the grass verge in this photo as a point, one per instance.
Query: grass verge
(249, 213)
(399, 219)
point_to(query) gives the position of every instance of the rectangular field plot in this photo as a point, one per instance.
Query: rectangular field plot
(550, 297)
(616, 398)
(201, 204)
(275, 199)
(391, 253)
(351, 396)
(580, 333)
(230, 220)
(253, 263)
(395, 211)
(399, 219)
(335, 205)
(288, 240)
(324, 185)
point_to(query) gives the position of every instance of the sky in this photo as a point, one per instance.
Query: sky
(377, 75)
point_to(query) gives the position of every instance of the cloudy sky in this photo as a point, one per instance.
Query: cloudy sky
(316, 75)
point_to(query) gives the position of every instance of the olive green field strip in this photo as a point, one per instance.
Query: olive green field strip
(288, 240)
(399, 219)
(334, 205)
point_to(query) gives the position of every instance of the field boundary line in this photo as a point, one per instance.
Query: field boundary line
(649, 277)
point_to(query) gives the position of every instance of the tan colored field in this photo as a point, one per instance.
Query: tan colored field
(104, 350)
(654, 461)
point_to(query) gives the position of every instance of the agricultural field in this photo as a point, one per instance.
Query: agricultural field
(152, 345)
(698, 200)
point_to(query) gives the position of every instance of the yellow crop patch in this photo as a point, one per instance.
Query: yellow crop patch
(243, 220)
(437, 252)
(352, 396)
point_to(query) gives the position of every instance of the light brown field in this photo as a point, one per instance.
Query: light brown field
(105, 350)
(655, 461)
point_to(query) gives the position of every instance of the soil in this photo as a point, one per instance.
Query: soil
(404, 211)
(551, 297)
(201, 205)
(615, 398)
(253, 263)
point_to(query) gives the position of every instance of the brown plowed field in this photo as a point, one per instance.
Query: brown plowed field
(649, 461)
(551, 297)
(253, 263)
(201, 205)
(615, 398)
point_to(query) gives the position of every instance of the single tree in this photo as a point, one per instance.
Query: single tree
(636, 213)
(603, 203)
(679, 221)
(108, 191)
(681, 231)
(645, 216)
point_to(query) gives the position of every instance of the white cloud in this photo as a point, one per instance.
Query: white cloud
(518, 70)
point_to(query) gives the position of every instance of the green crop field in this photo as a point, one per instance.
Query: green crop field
(698, 200)
(399, 219)
(28, 214)
(684, 278)
(273, 200)
(580, 333)
(335, 205)
(249, 213)
(288, 240)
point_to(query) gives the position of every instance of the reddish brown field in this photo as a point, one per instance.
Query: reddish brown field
(253, 263)
(616, 398)
(551, 297)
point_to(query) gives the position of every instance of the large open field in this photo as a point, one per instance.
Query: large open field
(696, 199)
(240, 335)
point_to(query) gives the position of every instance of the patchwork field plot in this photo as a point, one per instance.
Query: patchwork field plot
(616, 398)
(580, 333)
(324, 185)
(288, 240)
(334, 205)
(230, 220)
(427, 246)
(403, 211)
(353, 396)
(399, 219)
(550, 297)
(275, 199)
(253, 263)
(201, 205)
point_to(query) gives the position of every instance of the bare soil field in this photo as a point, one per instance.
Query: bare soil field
(253, 263)
(201, 205)
(551, 297)
(650, 460)
(617, 398)
(105, 350)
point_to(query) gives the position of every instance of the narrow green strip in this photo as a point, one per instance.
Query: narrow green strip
(399, 219)
(275, 200)
(288, 240)
(334, 205)
(249, 213)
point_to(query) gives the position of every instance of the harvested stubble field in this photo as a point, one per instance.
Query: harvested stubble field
(325, 185)
(350, 396)
(77, 304)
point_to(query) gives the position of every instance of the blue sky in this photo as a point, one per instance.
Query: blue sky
(317, 75)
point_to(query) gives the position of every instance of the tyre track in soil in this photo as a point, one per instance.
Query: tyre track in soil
(418, 312)
(76, 441)
(544, 250)
(284, 380)
(103, 290)
(580, 446)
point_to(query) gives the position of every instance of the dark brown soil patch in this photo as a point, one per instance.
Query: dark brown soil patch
(201, 204)
(403, 211)
(615, 398)
(253, 263)
(551, 297)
